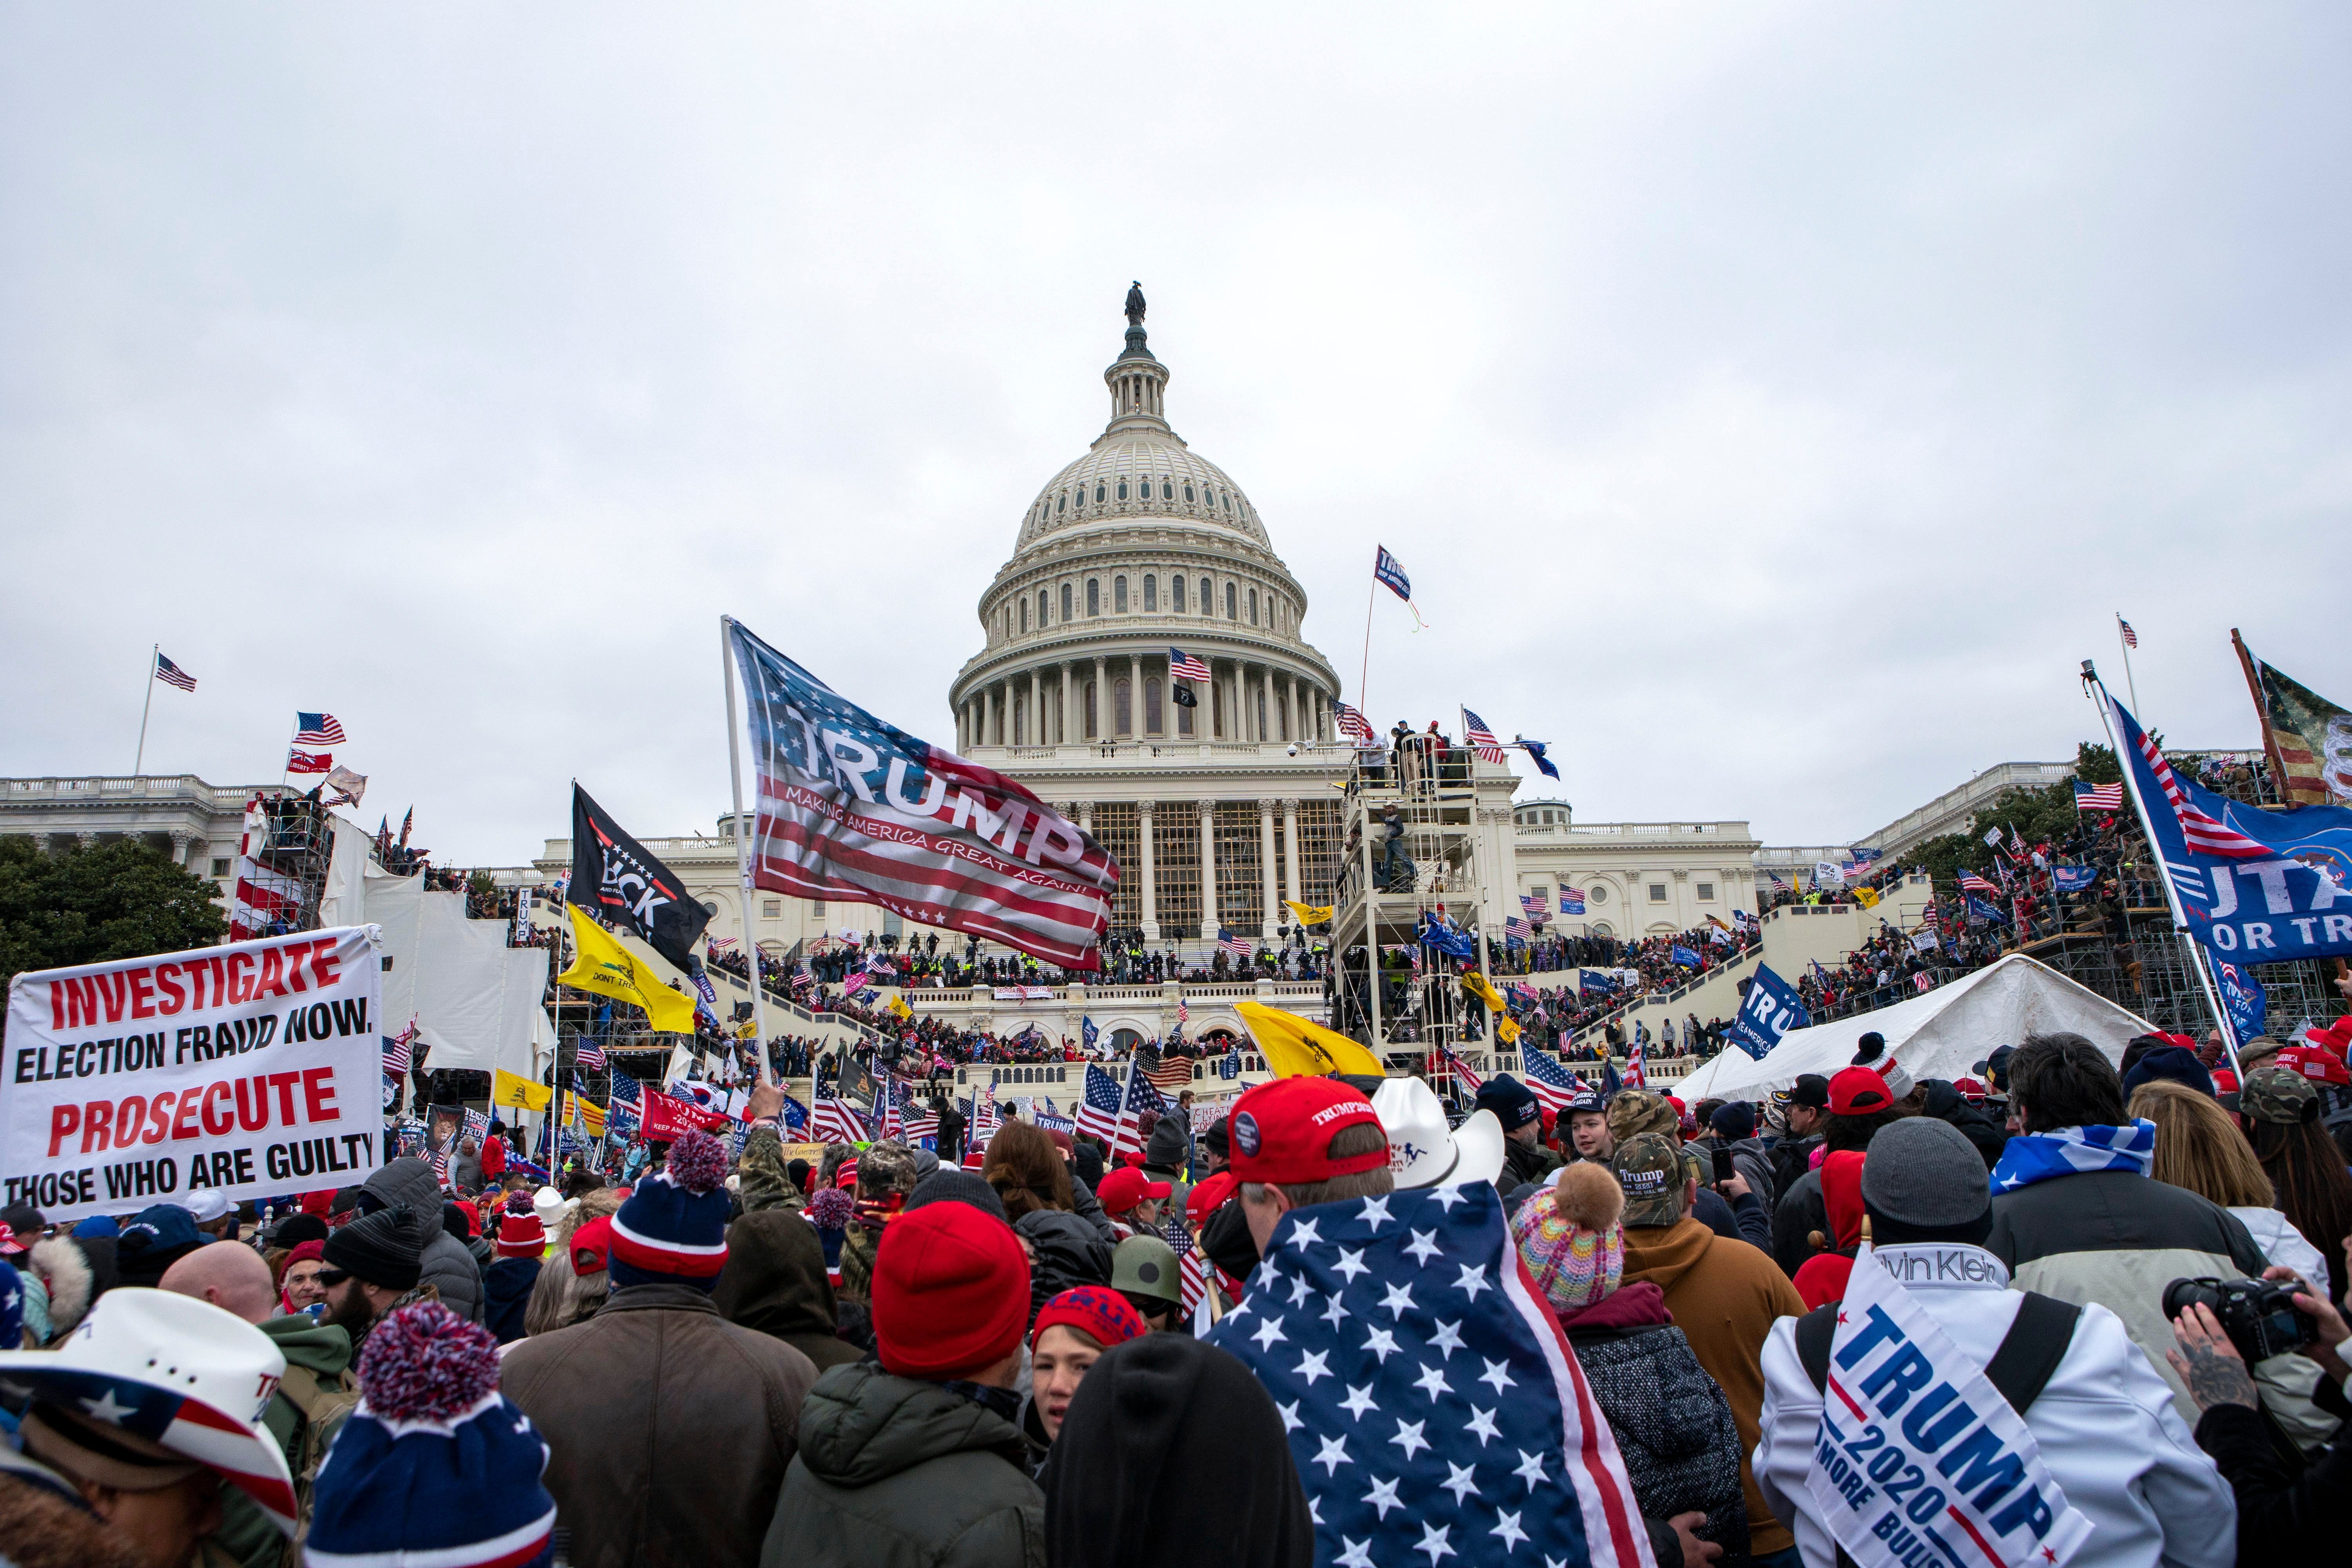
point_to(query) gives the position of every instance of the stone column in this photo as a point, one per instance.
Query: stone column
(1062, 702)
(1290, 851)
(1135, 695)
(1037, 706)
(1087, 814)
(988, 715)
(1208, 870)
(1291, 709)
(180, 842)
(1101, 704)
(1265, 866)
(1144, 809)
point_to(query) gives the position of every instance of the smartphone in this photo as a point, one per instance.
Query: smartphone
(1724, 1170)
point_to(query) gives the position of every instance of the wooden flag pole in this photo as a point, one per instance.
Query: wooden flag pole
(743, 849)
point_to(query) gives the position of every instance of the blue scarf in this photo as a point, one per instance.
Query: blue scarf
(2070, 1151)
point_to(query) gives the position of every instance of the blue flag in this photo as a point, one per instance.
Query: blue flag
(2242, 995)
(1447, 939)
(2254, 885)
(1991, 914)
(1390, 572)
(1597, 980)
(1409, 1447)
(1087, 1032)
(1683, 956)
(1771, 1010)
(2074, 878)
(1535, 751)
(796, 1115)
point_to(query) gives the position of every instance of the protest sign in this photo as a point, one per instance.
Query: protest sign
(242, 1069)
(1919, 1457)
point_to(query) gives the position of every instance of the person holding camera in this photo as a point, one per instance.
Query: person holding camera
(2279, 1509)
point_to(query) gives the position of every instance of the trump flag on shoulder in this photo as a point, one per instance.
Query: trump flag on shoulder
(1431, 1402)
(856, 810)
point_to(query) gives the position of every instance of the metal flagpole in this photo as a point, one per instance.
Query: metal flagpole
(743, 848)
(2164, 872)
(153, 654)
(1364, 675)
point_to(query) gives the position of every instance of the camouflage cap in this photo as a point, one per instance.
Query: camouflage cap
(1649, 1166)
(2277, 1094)
(1634, 1111)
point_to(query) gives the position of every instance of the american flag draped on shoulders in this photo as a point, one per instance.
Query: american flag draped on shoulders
(1431, 1402)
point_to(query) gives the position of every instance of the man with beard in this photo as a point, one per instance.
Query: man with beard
(373, 1265)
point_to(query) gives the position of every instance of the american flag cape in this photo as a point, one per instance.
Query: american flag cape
(858, 811)
(1098, 1111)
(1482, 740)
(1634, 1077)
(1462, 1070)
(1456, 1422)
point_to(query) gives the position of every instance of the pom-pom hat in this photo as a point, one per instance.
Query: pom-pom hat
(168, 1372)
(1282, 1131)
(673, 1229)
(435, 1466)
(1571, 1237)
(520, 1234)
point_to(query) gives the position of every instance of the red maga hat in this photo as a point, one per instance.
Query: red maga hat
(1858, 1091)
(1282, 1131)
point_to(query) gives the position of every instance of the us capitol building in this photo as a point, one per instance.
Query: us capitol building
(1216, 811)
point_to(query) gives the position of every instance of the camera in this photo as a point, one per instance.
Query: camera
(2260, 1316)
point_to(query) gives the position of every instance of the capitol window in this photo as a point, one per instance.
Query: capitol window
(1227, 497)
(1025, 615)
(1150, 595)
(1045, 607)
(1167, 490)
(1187, 493)
(1094, 598)
(1657, 892)
(1119, 595)
(1230, 613)
(1061, 502)
(1151, 706)
(1065, 601)
(1707, 893)
(1122, 707)
(1098, 495)
(1596, 894)
(1122, 489)
(1176, 595)
(1253, 602)
(1208, 597)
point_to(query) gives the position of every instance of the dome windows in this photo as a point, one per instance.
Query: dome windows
(1044, 603)
(1167, 490)
(1119, 595)
(1150, 595)
(1065, 603)
(1230, 600)
(1253, 606)
(1176, 595)
(1122, 489)
(1208, 597)
(1188, 492)
(1094, 598)
(1098, 495)
(1228, 497)
(1062, 503)
(1024, 613)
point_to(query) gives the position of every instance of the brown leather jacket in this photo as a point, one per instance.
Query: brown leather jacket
(670, 1428)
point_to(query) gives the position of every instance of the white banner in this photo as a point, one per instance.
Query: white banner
(1022, 993)
(250, 1069)
(1827, 873)
(1919, 1457)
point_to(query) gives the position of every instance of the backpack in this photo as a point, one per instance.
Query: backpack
(322, 1408)
(2021, 1366)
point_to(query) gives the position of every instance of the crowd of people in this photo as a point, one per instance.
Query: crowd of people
(1062, 1351)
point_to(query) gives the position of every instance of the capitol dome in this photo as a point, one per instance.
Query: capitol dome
(1137, 549)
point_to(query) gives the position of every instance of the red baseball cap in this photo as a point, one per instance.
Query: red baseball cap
(1282, 1131)
(2315, 1063)
(1210, 1197)
(1127, 1186)
(1971, 1089)
(1858, 1091)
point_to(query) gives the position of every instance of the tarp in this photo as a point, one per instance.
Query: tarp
(470, 994)
(1941, 1033)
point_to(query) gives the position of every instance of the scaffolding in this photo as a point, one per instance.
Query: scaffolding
(2151, 969)
(296, 842)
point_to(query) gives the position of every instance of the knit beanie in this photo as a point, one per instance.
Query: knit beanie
(951, 1293)
(1097, 1311)
(673, 1229)
(1872, 1054)
(435, 1465)
(1572, 1235)
(386, 1248)
(1734, 1119)
(519, 1233)
(2168, 1064)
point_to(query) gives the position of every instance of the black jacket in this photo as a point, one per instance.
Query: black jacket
(1946, 1103)
(2282, 1516)
(1798, 1215)
(1524, 1163)
(1792, 1158)
(1070, 1252)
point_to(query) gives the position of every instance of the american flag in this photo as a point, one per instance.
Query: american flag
(1353, 725)
(1191, 1269)
(301, 761)
(1571, 901)
(1517, 925)
(171, 674)
(919, 1123)
(1182, 666)
(1239, 946)
(948, 843)
(721, 943)
(625, 1090)
(396, 1052)
(1553, 1083)
(1482, 740)
(1920, 982)
(1140, 1097)
(1536, 904)
(440, 1163)
(1972, 883)
(589, 1055)
(2202, 831)
(1099, 1111)
(1376, 1297)
(836, 1120)
(318, 730)
(1183, 1014)
(2131, 638)
(1462, 1070)
(1634, 1077)
(1168, 1074)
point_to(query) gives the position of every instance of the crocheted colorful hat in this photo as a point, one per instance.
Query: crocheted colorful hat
(1570, 1236)
(673, 1229)
(436, 1464)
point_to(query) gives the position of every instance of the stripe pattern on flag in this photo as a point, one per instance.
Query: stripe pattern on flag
(1482, 740)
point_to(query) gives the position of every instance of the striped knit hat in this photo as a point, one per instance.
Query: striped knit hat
(673, 1229)
(1572, 1236)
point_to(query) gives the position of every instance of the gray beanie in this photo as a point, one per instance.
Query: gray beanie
(1924, 1172)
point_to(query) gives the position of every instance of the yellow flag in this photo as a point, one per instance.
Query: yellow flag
(1307, 915)
(514, 1090)
(1295, 1049)
(1479, 987)
(898, 1008)
(586, 1114)
(605, 967)
(1866, 896)
(1506, 1029)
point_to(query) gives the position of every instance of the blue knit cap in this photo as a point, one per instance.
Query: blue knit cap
(436, 1464)
(673, 1229)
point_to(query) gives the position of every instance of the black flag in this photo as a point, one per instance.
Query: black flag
(1182, 695)
(615, 880)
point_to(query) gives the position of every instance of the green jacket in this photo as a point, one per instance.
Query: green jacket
(324, 1352)
(894, 1473)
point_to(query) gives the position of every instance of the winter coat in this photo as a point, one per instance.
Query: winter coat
(765, 1183)
(668, 1427)
(506, 1291)
(1978, 1126)
(1792, 1158)
(2118, 1237)
(774, 1283)
(449, 1267)
(1754, 1163)
(1525, 1162)
(2282, 1517)
(1799, 1213)
(1743, 1220)
(1725, 1296)
(1671, 1422)
(1069, 1252)
(2104, 1425)
(895, 1473)
(1088, 1207)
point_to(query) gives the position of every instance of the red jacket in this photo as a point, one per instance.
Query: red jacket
(494, 1159)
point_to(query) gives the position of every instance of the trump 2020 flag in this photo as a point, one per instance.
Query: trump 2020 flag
(856, 810)
(1770, 1010)
(1431, 1402)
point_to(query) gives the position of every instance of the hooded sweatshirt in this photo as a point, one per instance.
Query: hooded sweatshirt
(1725, 1296)
(1822, 1278)
(449, 1267)
(774, 1284)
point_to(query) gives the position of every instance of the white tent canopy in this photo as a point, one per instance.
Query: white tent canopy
(1941, 1033)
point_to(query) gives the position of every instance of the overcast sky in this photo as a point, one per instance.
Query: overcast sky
(1772, 403)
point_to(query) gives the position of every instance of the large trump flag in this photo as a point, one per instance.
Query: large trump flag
(855, 810)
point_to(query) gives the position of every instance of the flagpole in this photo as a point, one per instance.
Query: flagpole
(743, 850)
(2128, 684)
(2164, 874)
(1363, 676)
(148, 706)
(2262, 716)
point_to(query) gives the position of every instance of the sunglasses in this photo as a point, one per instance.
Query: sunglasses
(331, 1278)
